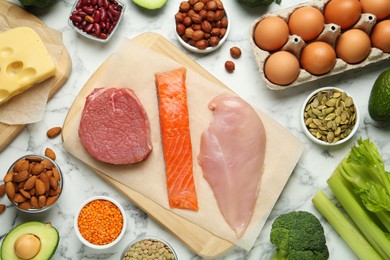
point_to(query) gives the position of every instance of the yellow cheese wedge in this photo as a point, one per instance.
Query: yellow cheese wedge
(24, 61)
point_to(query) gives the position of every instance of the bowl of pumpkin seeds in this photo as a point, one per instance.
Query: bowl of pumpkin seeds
(329, 116)
(149, 247)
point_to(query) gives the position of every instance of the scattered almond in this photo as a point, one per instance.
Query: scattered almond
(50, 153)
(53, 132)
(2, 190)
(2, 208)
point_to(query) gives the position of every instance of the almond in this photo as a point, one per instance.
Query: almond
(2, 190)
(2, 208)
(34, 159)
(40, 187)
(21, 176)
(34, 202)
(53, 132)
(37, 169)
(50, 201)
(55, 192)
(24, 205)
(47, 164)
(46, 180)
(56, 174)
(18, 198)
(10, 190)
(21, 165)
(25, 194)
(9, 177)
(50, 153)
(30, 183)
(42, 201)
(53, 183)
(33, 191)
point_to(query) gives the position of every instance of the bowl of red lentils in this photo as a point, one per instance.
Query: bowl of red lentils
(149, 247)
(100, 222)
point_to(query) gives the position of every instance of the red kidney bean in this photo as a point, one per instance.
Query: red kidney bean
(88, 9)
(93, 2)
(97, 16)
(76, 18)
(112, 11)
(104, 14)
(108, 25)
(88, 28)
(105, 4)
(97, 29)
(100, 3)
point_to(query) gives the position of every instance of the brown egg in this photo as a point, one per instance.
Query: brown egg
(343, 12)
(281, 68)
(353, 46)
(380, 36)
(318, 58)
(306, 22)
(379, 8)
(271, 33)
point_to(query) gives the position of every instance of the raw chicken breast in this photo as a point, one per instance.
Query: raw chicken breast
(231, 155)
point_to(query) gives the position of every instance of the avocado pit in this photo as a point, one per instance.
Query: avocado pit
(27, 246)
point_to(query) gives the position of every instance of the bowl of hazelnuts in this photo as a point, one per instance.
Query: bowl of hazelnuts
(202, 26)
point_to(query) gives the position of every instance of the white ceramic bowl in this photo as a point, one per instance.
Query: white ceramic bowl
(317, 140)
(86, 242)
(60, 182)
(93, 37)
(210, 48)
(155, 239)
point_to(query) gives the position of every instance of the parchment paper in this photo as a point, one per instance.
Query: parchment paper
(29, 106)
(133, 66)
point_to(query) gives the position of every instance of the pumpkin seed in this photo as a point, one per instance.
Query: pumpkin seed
(330, 115)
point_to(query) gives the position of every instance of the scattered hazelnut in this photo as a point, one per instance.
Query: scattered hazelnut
(229, 66)
(235, 52)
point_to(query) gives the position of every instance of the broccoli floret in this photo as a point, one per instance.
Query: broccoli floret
(37, 3)
(298, 235)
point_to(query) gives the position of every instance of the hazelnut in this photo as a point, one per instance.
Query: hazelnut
(196, 18)
(202, 44)
(215, 31)
(189, 32)
(229, 66)
(187, 21)
(203, 14)
(213, 41)
(184, 6)
(224, 22)
(219, 4)
(197, 35)
(179, 17)
(235, 52)
(198, 7)
(206, 26)
(211, 6)
(223, 32)
(193, 2)
(180, 29)
(196, 26)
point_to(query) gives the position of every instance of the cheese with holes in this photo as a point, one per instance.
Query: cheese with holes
(24, 61)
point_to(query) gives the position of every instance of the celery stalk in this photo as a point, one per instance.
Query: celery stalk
(348, 232)
(362, 218)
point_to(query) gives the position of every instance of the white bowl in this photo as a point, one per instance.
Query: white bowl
(155, 239)
(210, 48)
(93, 37)
(86, 242)
(317, 140)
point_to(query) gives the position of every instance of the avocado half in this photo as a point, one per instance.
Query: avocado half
(27, 234)
(150, 4)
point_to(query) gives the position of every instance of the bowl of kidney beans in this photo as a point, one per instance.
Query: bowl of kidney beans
(96, 19)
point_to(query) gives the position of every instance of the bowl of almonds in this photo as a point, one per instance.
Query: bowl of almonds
(329, 116)
(33, 183)
(202, 26)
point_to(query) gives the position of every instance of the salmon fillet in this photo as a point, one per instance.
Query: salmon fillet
(176, 139)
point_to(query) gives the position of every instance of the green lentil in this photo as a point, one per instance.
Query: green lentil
(149, 249)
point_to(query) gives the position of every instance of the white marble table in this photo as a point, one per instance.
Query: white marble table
(310, 175)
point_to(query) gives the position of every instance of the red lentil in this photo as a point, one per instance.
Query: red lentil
(100, 222)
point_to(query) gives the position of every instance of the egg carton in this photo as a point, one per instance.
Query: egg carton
(329, 34)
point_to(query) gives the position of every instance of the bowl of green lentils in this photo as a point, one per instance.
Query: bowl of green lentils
(149, 248)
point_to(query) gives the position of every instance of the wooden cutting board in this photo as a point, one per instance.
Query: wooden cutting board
(19, 16)
(199, 240)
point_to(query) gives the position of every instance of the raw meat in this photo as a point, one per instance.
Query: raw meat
(231, 155)
(114, 127)
(176, 139)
